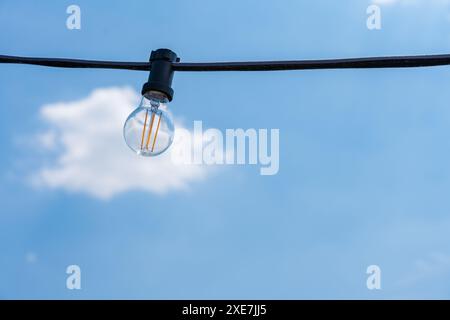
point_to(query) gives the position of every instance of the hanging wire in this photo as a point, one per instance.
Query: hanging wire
(354, 63)
(76, 63)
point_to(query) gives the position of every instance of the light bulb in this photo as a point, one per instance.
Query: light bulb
(149, 129)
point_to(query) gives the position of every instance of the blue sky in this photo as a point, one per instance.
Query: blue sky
(364, 155)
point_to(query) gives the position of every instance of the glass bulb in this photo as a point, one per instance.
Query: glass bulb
(149, 129)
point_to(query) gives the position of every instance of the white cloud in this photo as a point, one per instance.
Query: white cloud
(91, 155)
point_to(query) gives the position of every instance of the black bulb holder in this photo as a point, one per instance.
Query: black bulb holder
(161, 73)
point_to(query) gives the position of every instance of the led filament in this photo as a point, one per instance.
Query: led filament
(149, 129)
(153, 112)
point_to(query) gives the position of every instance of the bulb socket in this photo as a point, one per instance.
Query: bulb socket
(161, 73)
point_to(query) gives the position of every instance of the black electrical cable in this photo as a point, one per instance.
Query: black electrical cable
(355, 63)
(76, 63)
